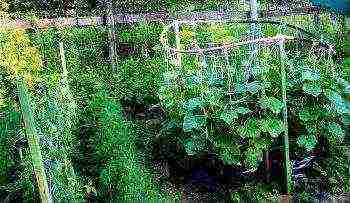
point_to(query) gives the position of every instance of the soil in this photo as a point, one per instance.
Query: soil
(146, 110)
(84, 162)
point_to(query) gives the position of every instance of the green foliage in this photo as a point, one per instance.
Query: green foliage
(250, 129)
(55, 113)
(312, 88)
(271, 103)
(252, 111)
(193, 122)
(272, 126)
(229, 116)
(139, 75)
(9, 125)
(195, 101)
(123, 172)
(253, 158)
(336, 132)
(307, 141)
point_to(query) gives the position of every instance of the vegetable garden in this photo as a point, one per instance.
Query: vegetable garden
(201, 109)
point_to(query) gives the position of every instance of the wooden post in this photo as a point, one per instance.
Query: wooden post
(33, 140)
(111, 36)
(254, 33)
(63, 61)
(178, 43)
(287, 168)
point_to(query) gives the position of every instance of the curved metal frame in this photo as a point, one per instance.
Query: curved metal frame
(236, 44)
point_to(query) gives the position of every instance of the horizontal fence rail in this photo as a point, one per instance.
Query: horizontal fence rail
(156, 16)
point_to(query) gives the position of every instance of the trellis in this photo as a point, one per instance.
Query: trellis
(218, 58)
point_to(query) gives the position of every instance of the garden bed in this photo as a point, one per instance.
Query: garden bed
(149, 130)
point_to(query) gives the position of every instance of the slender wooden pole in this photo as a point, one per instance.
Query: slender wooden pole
(33, 141)
(254, 33)
(63, 61)
(178, 43)
(287, 166)
(111, 36)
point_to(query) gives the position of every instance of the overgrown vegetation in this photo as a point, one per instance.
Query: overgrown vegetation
(126, 135)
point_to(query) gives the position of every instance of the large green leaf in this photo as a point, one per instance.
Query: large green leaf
(272, 126)
(307, 114)
(307, 141)
(251, 129)
(193, 103)
(230, 155)
(195, 144)
(338, 102)
(214, 96)
(252, 87)
(335, 131)
(262, 143)
(243, 110)
(192, 80)
(271, 103)
(193, 122)
(312, 88)
(214, 79)
(260, 70)
(309, 74)
(229, 116)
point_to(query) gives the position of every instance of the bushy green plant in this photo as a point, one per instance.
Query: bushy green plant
(195, 97)
(139, 78)
(139, 74)
(124, 173)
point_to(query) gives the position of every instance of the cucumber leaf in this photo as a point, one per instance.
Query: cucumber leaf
(338, 102)
(253, 158)
(194, 145)
(309, 74)
(193, 103)
(243, 110)
(307, 114)
(260, 70)
(251, 129)
(312, 88)
(272, 126)
(213, 96)
(307, 141)
(229, 116)
(230, 155)
(335, 131)
(271, 103)
(193, 122)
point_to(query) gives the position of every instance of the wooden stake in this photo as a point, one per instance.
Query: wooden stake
(111, 36)
(287, 168)
(33, 140)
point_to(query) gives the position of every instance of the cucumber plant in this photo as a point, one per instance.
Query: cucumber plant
(199, 97)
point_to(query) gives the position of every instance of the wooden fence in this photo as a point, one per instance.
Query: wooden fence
(156, 16)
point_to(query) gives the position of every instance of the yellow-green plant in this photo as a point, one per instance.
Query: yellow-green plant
(22, 61)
